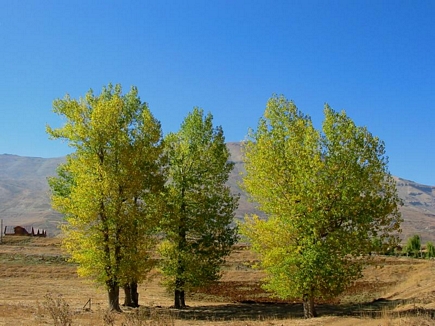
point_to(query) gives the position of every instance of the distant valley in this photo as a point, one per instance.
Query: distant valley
(24, 196)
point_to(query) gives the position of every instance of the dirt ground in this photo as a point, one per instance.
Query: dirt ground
(394, 291)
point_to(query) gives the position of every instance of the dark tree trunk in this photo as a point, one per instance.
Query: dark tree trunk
(182, 300)
(113, 292)
(131, 296)
(134, 294)
(309, 309)
(179, 300)
(128, 301)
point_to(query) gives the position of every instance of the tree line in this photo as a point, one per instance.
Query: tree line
(130, 194)
(125, 187)
(414, 248)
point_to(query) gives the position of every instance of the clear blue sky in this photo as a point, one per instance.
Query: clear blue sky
(374, 59)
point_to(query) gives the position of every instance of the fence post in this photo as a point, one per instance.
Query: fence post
(88, 303)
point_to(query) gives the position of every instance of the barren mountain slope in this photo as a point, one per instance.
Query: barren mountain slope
(24, 198)
(418, 210)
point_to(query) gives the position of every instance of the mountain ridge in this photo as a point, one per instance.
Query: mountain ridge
(24, 195)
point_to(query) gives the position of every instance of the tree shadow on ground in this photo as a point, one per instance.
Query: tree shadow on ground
(261, 311)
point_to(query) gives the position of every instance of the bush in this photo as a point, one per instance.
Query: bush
(57, 308)
(108, 318)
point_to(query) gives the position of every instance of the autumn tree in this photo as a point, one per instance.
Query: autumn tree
(200, 207)
(326, 193)
(109, 187)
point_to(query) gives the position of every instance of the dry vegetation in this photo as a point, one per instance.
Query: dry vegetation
(37, 282)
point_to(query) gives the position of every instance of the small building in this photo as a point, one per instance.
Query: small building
(22, 231)
(19, 230)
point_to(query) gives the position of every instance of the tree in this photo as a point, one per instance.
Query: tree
(200, 207)
(413, 246)
(326, 193)
(109, 187)
(430, 250)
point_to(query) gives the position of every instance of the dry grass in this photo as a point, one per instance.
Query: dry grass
(394, 291)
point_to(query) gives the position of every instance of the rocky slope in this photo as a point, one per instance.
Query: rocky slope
(24, 195)
(24, 192)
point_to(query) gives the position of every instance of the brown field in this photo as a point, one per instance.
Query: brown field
(394, 291)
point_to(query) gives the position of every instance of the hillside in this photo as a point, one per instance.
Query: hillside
(24, 192)
(24, 195)
(418, 210)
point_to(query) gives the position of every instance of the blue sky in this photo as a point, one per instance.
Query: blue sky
(374, 59)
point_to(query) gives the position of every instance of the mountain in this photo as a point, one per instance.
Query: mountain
(418, 209)
(24, 192)
(24, 195)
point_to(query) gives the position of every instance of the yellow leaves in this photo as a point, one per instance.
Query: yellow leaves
(116, 161)
(166, 249)
(106, 119)
(267, 235)
(282, 157)
(324, 192)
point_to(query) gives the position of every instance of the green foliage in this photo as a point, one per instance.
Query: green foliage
(109, 187)
(383, 248)
(62, 184)
(413, 246)
(327, 194)
(377, 245)
(430, 250)
(200, 207)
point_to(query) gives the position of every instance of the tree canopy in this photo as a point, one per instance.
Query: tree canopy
(109, 187)
(327, 193)
(200, 206)
(413, 246)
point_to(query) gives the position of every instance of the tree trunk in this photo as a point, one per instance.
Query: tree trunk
(134, 294)
(113, 292)
(131, 296)
(309, 309)
(128, 301)
(179, 301)
(182, 300)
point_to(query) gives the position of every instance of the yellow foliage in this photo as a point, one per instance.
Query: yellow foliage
(109, 187)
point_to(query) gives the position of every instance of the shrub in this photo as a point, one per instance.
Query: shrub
(58, 309)
(108, 318)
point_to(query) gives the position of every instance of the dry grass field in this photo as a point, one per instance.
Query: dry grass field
(33, 271)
